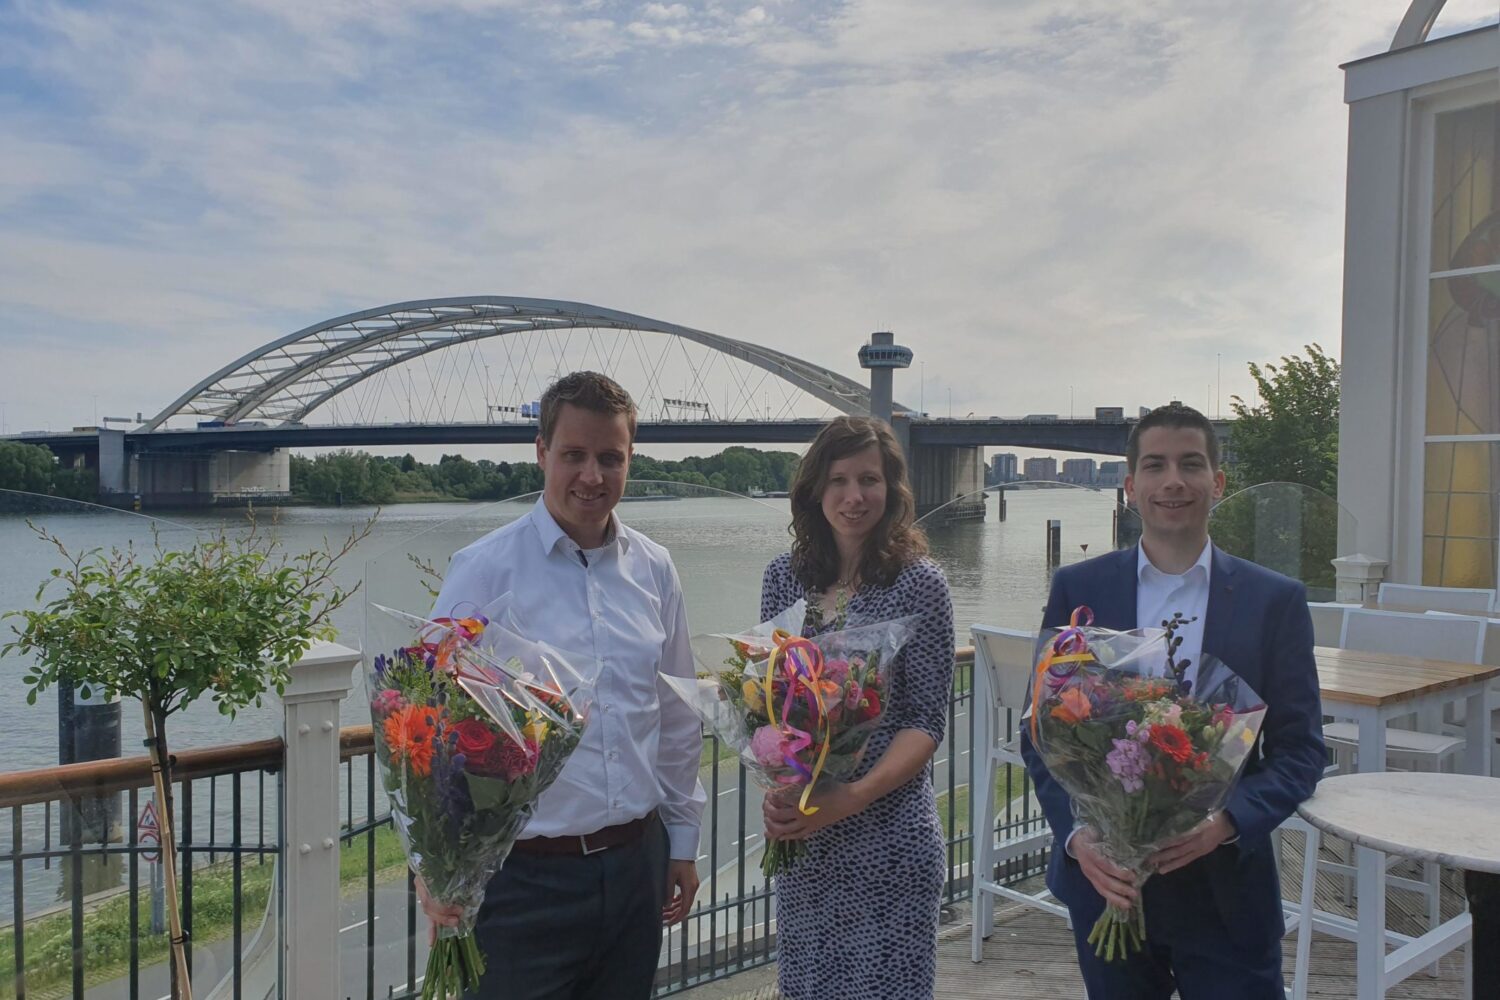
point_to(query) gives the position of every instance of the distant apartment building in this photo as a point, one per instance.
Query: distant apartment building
(1111, 475)
(1041, 470)
(1003, 468)
(1079, 471)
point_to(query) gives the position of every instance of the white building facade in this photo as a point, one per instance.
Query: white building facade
(1419, 435)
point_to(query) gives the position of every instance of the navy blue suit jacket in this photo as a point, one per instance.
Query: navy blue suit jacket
(1259, 626)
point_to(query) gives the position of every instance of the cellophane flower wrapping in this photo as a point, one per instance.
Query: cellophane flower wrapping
(472, 723)
(797, 711)
(1145, 756)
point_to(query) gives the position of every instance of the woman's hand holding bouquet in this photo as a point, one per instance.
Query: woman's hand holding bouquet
(796, 710)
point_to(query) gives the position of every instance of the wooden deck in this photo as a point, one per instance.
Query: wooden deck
(1030, 955)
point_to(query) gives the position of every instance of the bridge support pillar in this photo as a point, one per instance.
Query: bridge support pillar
(941, 474)
(203, 479)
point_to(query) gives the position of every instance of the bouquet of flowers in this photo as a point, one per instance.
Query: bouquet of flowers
(795, 710)
(472, 723)
(1146, 755)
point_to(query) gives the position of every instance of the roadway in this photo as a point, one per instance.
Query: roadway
(1083, 435)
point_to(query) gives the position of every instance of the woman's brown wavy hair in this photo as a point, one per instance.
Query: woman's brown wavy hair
(896, 540)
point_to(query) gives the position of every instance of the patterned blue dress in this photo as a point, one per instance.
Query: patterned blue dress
(857, 916)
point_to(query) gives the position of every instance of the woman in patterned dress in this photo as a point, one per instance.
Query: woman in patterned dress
(857, 915)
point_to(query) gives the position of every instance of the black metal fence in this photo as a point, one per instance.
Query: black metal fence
(86, 911)
(79, 880)
(731, 930)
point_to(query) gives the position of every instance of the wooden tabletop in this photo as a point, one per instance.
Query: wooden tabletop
(1359, 678)
(1446, 818)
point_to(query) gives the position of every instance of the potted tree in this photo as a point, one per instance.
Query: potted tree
(222, 617)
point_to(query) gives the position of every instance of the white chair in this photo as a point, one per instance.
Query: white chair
(1303, 917)
(1002, 674)
(1328, 621)
(1299, 918)
(1438, 598)
(1459, 638)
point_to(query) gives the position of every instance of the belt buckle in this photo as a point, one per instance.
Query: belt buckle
(583, 842)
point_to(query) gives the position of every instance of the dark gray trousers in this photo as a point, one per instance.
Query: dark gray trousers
(1483, 890)
(575, 928)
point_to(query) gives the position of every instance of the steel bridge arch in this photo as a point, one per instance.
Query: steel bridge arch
(289, 378)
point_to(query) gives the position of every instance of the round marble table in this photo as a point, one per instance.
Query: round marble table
(1449, 819)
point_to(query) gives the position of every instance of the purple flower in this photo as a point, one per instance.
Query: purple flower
(1128, 762)
(453, 787)
(380, 664)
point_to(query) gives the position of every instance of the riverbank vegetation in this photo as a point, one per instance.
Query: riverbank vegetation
(30, 468)
(357, 477)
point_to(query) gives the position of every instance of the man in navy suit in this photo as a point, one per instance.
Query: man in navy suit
(1213, 908)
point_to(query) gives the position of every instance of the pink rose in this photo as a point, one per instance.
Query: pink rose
(836, 671)
(767, 744)
(388, 701)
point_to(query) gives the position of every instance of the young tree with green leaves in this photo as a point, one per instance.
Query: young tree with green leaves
(223, 618)
(1292, 434)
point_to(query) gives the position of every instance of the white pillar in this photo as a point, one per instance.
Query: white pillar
(310, 821)
(1358, 578)
(1376, 420)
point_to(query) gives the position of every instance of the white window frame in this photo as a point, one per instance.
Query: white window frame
(1425, 104)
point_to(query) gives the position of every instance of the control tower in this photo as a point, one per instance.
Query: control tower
(882, 355)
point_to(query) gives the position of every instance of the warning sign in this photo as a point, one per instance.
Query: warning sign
(149, 832)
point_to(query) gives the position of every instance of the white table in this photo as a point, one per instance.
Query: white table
(1370, 689)
(1449, 819)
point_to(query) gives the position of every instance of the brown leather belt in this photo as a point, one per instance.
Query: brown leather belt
(588, 843)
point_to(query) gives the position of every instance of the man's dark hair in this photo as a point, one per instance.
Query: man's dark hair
(587, 391)
(1173, 416)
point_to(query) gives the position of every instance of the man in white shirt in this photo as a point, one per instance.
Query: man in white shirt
(610, 855)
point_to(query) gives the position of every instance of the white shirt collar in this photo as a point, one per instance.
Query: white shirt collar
(551, 533)
(1145, 566)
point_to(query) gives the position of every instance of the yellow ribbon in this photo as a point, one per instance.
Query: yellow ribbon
(785, 642)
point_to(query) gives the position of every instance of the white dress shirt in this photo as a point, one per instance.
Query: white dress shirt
(1158, 595)
(620, 604)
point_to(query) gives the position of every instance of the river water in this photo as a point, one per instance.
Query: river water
(997, 572)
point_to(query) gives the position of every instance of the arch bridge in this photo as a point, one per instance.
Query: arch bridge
(246, 414)
(290, 378)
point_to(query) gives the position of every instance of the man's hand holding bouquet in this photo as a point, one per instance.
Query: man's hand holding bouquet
(1146, 753)
(472, 723)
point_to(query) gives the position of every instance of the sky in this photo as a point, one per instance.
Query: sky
(1108, 202)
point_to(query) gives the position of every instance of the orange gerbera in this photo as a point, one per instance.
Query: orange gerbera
(409, 734)
(1173, 742)
(1075, 707)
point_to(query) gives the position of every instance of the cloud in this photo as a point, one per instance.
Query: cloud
(1033, 195)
